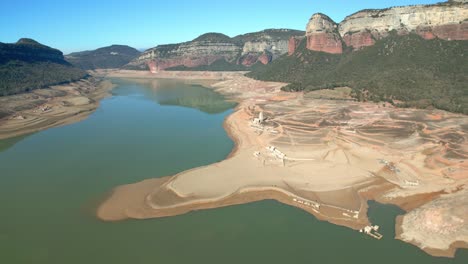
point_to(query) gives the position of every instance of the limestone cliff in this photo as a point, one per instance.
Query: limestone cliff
(264, 46)
(448, 21)
(249, 49)
(322, 34)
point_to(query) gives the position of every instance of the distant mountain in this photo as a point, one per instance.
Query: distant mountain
(212, 50)
(114, 56)
(27, 65)
(383, 55)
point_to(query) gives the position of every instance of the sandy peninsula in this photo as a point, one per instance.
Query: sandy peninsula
(324, 153)
(50, 107)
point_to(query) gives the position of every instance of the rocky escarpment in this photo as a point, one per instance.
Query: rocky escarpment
(246, 50)
(404, 70)
(27, 65)
(264, 46)
(322, 34)
(448, 21)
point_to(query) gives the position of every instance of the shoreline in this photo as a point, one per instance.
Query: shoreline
(139, 200)
(346, 174)
(50, 107)
(446, 253)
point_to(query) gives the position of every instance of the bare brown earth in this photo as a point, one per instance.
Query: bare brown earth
(339, 154)
(54, 106)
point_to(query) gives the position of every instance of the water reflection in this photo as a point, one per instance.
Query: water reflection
(10, 142)
(169, 92)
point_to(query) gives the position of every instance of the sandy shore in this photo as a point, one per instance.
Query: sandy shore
(54, 106)
(330, 157)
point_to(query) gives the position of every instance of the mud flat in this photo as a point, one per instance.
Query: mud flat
(54, 106)
(327, 157)
(438, 227)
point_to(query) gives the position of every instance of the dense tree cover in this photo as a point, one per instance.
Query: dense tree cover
(28, 65)
(403, 70)
(114, 56)
(20, 76)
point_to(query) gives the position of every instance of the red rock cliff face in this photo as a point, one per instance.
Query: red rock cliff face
(322, 35)
(447, 21)
(248, 49)
(248, 59)
(325, 42)
(293, 44)
(162, 64)
(359, 40)
(265, 58)
(452, 32)
(252, 58)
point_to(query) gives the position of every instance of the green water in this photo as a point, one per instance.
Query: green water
(51, 181)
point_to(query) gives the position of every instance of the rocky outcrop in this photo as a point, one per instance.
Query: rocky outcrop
(203, 50)
(294, 44)
(359, 40)
(266, 45)
(249, 49)
(322, 34)
(250, 59)
(448, 21)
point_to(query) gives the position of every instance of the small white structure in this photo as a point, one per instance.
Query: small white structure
(260, 119)
(308, 203)
(18, 117)
(372, 231)
(356, 215)
(43, 109)
(276, 152)
(412, 183)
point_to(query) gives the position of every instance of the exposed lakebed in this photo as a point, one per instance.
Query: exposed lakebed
(51, 181)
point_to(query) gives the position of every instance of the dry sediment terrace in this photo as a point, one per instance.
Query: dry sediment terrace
(339, 153)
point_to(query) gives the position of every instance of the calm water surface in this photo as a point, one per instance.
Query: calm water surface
(50, 183)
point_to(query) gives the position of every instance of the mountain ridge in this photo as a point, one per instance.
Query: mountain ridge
(27, 65)
(410, 56)
(245, 50)
(114, 56)
(445, 20)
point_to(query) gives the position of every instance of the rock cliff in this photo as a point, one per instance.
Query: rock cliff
(322, 34)
(448, 21)
(247, 50)
(264, 46)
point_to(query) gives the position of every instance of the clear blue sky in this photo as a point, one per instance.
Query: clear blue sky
(89, 24)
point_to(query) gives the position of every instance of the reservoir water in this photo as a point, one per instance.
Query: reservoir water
(51, 182)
